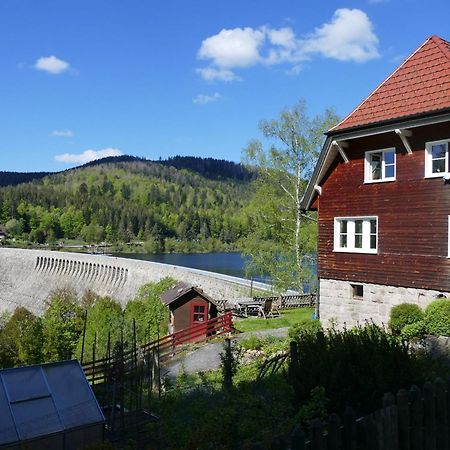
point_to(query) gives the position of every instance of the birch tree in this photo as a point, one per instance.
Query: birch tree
(282, 238)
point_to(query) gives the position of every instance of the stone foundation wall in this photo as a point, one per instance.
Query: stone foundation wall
(28, 277)
(339, 306)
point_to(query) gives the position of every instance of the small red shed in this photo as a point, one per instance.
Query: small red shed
(189, 306)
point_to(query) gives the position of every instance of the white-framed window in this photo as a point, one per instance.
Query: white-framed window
(356, 234)
(379, 165)
(437, 158)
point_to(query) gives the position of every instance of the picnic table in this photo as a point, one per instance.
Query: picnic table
(250, 307)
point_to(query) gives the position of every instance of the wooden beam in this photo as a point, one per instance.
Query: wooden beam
(340, 146)
(404, 135)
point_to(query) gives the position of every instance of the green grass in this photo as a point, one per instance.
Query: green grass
(287, 318)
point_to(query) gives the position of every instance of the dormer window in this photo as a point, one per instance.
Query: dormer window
(436, 159)
(379, 166)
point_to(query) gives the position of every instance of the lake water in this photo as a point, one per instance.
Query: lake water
(226, 263)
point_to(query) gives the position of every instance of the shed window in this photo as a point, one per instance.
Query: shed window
(436, 159)
(379, 165)
(356, 234)
(199, 313)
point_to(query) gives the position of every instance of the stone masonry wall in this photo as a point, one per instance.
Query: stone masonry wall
(28, 277)
(337, 304)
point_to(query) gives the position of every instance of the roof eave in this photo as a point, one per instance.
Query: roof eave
(386, 126)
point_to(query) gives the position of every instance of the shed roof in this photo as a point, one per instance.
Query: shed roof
(420, 85)
(179, 290)
(45, 399)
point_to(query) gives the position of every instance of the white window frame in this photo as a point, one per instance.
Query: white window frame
(351, 235)
(368, 167)
(429, 160)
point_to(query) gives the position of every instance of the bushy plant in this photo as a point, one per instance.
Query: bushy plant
(414, 331)
(252, 342)
(354, 366)
(437, 317)
(404, 314)
(305, 326)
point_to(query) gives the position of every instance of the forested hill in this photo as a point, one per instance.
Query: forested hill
(198, 206)
(215, 169)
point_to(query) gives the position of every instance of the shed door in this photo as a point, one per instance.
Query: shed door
(199, 313)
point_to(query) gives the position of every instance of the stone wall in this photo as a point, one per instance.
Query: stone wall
(28, 277)
(338, 304)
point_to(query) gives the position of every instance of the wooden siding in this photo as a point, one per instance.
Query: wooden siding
(412, 216)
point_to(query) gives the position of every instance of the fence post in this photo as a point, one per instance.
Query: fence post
(334, 439)
(349, 429)
(390, 421)
(416, 418)
(292, 368)
(403, 419)
(298, 439)
(441, 414)
(317, 435)
(429, 416)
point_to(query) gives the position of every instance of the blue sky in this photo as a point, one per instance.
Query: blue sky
(81, 79)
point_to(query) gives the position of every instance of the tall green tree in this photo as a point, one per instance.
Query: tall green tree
(21, 339)
(62, 325)
(281, 236)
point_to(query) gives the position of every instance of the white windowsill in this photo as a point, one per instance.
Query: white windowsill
(356, 250)
(437, 175)
(387, 180)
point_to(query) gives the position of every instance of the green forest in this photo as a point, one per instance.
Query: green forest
(183, 204)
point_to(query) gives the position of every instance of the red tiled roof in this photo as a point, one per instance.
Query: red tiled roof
(420, 85)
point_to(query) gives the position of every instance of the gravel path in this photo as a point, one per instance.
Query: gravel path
(207, 357)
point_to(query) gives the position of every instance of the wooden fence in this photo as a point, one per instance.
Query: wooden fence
(290, 301)
(98, 370)
(418, 419)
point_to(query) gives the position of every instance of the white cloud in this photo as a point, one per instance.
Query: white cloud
(212, 74)
(61, 133)
(87, 156)
(349, 36)
(238, 47)
(203, 99)
(51, 64)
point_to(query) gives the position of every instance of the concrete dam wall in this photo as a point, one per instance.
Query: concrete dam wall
(28, 277)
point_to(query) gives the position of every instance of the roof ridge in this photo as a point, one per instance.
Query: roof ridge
(381, 84)
(443, 45)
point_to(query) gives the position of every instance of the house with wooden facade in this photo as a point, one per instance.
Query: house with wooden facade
(188, 306)
(381, 189)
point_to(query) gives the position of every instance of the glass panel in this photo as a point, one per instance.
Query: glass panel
(358, 240)
(343, 226)
(199, 308)
(373, 241)
(373, 226)
(439, 165)
(389, 171)
(438, 151)
(375, 164)
(343, 241)
(358, 226)
(389, 157)
(199, 317)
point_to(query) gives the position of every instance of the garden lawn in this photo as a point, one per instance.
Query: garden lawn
(287, 318)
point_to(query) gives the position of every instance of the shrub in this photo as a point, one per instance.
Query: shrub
(437, 317)
(355, 367)
(414, 331)
(252, 342)
(305, 326)
(404, 314)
